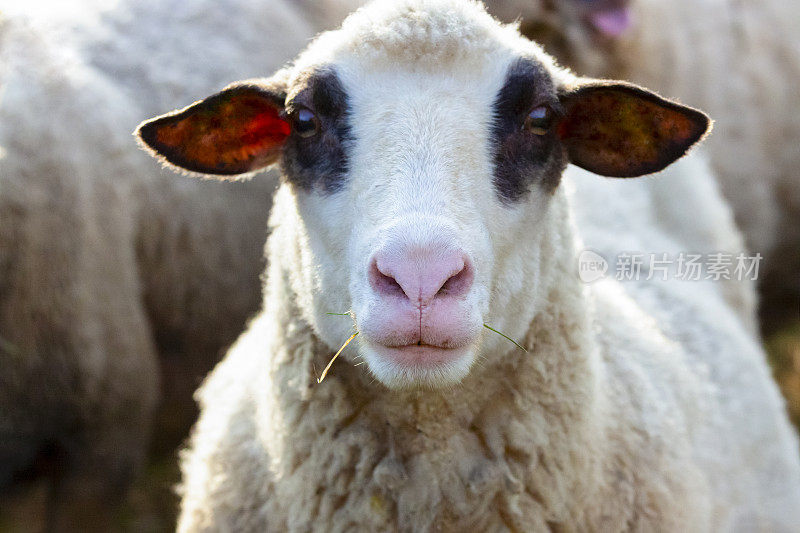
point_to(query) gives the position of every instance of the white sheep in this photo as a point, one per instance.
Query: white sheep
(79, 375)
(106, 262)
(737, 60)
(422, 149)
(740, 61)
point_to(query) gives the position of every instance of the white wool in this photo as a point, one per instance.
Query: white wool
(685, 204)
(639, 406)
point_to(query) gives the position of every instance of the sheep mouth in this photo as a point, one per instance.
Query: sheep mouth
(422, 344)
(419, 365)
(420, 355)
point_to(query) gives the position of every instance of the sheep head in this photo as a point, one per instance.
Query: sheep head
(423, 145)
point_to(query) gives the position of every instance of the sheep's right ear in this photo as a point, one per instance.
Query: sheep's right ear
(238, 130)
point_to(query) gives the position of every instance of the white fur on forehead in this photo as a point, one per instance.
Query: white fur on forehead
(422, 33)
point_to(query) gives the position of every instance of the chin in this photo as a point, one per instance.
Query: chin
(418, 366)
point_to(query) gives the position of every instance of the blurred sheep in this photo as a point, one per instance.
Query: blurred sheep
(110, 266)
(79, 376)
(739, 61)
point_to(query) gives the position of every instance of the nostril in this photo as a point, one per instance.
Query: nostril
(384, 283)
(389, 285)
(459, 283)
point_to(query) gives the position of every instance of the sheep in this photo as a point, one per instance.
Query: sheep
(576, 32)
(110, 267)
(79, 373)
(580, 33)
(423, 149)
(736, 60)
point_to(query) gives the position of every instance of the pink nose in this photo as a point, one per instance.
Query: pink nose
(422, 274)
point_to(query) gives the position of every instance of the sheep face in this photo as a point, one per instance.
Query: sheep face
(422, 145)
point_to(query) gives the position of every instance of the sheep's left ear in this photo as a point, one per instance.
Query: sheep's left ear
(620, 130)
(238, 130)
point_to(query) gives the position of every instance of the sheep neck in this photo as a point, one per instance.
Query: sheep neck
(530, 418)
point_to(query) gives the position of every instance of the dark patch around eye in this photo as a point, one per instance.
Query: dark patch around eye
(320, 161)
(521, 158)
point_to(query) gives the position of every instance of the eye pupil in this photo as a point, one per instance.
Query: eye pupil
(305, 123)
(539, 120)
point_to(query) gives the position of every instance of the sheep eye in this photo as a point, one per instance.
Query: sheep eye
(539, 120)
(305, 123)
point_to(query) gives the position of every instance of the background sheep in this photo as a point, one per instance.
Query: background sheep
(105, 259)
(738, 60)
(640, 406)
(79, 375)
(160, 53)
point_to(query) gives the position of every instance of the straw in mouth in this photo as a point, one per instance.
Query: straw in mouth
(325, 372)
(354, 335)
